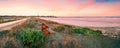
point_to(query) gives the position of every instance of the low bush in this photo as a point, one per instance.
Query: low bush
(88, 31)
(4, 32)
(16, 31)
(32, 38)
(59, 29)
(9, 44)
(30, 23)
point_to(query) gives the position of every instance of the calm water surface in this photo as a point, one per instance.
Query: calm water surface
(94, 22)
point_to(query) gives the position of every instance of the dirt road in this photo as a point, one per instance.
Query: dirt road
(8, 25)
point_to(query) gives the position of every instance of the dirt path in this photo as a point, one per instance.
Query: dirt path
(8, 25)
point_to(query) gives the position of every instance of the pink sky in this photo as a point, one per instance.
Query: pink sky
(59, 7)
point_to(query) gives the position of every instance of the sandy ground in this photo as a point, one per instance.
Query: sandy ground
(8, 25)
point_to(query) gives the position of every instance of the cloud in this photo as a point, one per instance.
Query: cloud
(107, 0)
(60, 7)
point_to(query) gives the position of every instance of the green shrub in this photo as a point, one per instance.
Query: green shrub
(88, 31)
(32, 38)
(97, 33)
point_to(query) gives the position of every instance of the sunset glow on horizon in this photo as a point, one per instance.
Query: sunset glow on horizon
(60, 7)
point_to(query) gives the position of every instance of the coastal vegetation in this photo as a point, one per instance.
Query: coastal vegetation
(30, 35)
(84, 36)
(88, 31)
(26, 35)
(32, 38)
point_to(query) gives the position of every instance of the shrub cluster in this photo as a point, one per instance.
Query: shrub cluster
(32, 38)
(29, 35)
(88, 31)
